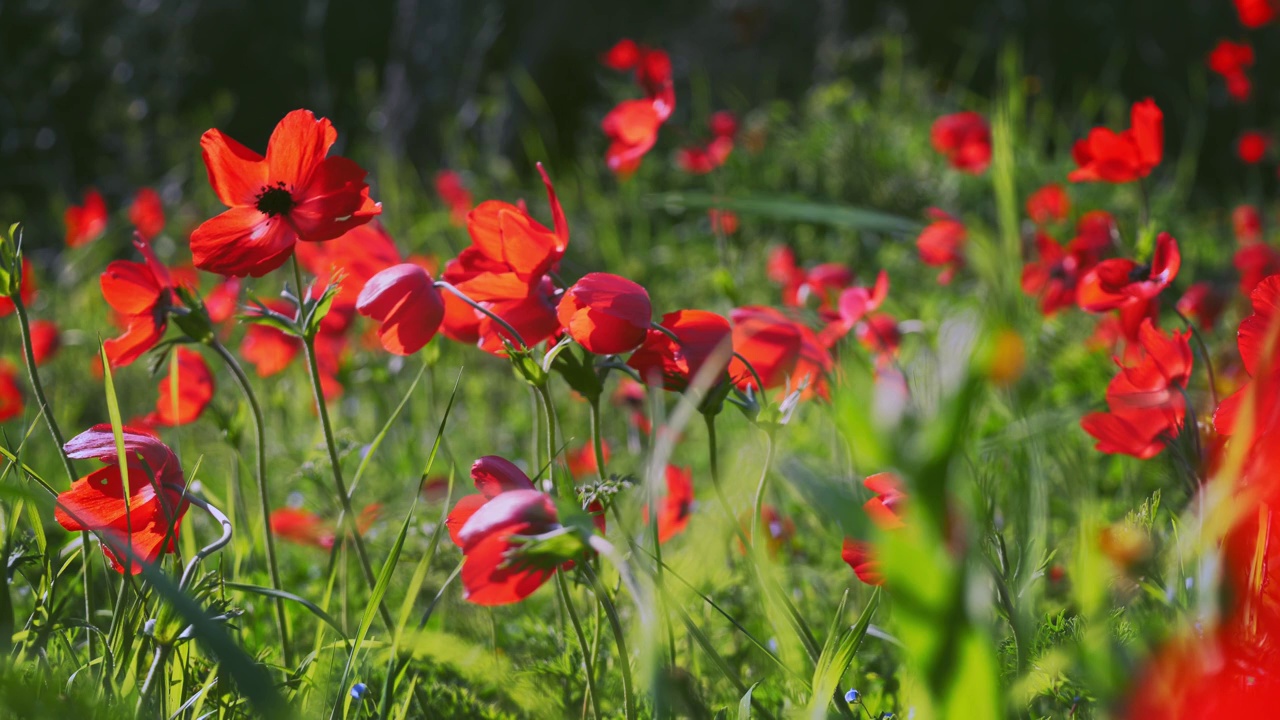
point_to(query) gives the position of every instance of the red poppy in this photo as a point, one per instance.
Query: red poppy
(461, 322)
(676, 505)
(1054, 275)
(632, 129)
(824, 282)
(302, 527)
(1257, 341)
(1129, 155)
(1203, 303)
(1145, 401)
(769, 341)
(27, 294)
(623, 56)
(853, 305)
(606, 314)
(11, 405)
(879, 334)
(781, 267)
(702, 159)
(148, 521)
(1246, 223)
(45, 340)
(632, 396)
(223, 301)
(454, 193)
(941, 244)
(965, 139)
(1255, 262)
(1252, 147)
(723, 124)
(885, 507)
(147, 213)
(141, 293)
(723, 221)
(269, 350)
(1221, 673)
(1230, 60)
(1095, 231)
(533, 317)
(703, 336)
(361, 253)
(193, 394)
(582, 462)
(293, 194)
(860, 556)
(1049, 204)
(1115, 282)
(1255, 13)
(405, 300)
(86, 223)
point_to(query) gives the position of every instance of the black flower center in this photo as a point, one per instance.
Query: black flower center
(274, 200)
(1139, 272)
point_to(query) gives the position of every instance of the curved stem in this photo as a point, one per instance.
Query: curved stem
(759, 501)
(157, 666)
(752, 369)
(480, 308)
(212, 547)
(619, 637)
(715, 483)
(587, 658)
(340, 487)
(260, 475)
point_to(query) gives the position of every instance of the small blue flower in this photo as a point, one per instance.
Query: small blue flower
(853, 697)
(358, 690)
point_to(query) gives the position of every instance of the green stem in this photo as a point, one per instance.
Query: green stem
(758, 506)
(157, 667)
(322, 408)
(260, 475)
(620, 637)
(597, 443)
(587, 657)
(549, 417)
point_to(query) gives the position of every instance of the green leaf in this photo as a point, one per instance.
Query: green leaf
(744, 705)
(837, 655)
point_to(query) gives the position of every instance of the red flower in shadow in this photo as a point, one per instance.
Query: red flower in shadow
(702, 335)
(147, 213)
(86, 223)
(185, 403)
(1107, 156)
(405, 300)
(965, 139)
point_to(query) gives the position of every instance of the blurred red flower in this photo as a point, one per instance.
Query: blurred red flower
(632, 129)
(1258, 339)
(293, 194)
(1255, 262)
(623, 56)
(356, 256)
(86, 223)
(1230, 60)
(1246, 223)
(769, 341)
(45, 340)
(725, 221)
(1050, 204)
(405, 300)
(941, 244)
(965, 139)
(454, 193)
(1204, 303)
(676, 504)
(11, 405)
(1117, 281)
(1129, 155)
(1255, 13)
(147, 213)
(141, 293)
(1054, 275)
(1252, 147)
(269, 350)
(885, 507)
(27, 294)
(702, 336)
(184, 404)
(860, 556)
(582, 462)
(606, 314)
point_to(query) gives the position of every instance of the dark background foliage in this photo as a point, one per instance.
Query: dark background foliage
(114, 94)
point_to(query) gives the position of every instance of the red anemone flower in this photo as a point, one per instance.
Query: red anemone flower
(45, 340)
(860, 556)
(1257, 340)
(1115, 282)
(141, 293)
(86, 223)
(27, 294)
(879, 334)
(1095, 231)
(1230, 60)
(884, 509)
(1252, 147)
(702, 159)
(148, 521)
(941, 244)
(1050, 204)
(1255, 262)
(1122, 157)
(623, 56)
(1255, 13)
(856, 302)
(184, 404)
(965, 139)
(302, 527)
(11, 405)
(293, 194)
(356, 256)
(534, 317)
(676, 505)
(1246, 223)
(606, 314)
(147, 213)
(405, 300)
(1054, 275)
(223, 300)
(454, 193)
(1204, 303)
(268, 349)
(723, 124)
(769, 341)
(703, 336)
(632, 129)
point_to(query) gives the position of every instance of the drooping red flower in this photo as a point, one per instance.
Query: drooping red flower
(676, 505)
(269, 350)
(185, 403)
(1255, 262)
(1145, 401)
(965, 139)
(456, 196)
(148, 522)
(885, 507)
(45, 340)
(293, 194)
(1050, 204)
(1230, 60)
(405, 300)
(142, 294)
(1122, 157)
(703, 336)
(1252, 147)
(769, 341)
(1204, 303)
(27, 294)
(860, 556)
(86, 223)
(1255, 13)
(606, 314)
(1117, 281)
(1246, 223)
(941, 244)
(723, 221)
(11, 405)
(147, 213)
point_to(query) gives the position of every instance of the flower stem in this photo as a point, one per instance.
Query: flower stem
(549, 417)
(480, 308)
(157, 666)
(260, 474)
(619, 636)
(587, 657)
(597, 443)
(758, 507)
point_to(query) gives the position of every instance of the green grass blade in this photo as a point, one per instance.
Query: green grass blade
(271, 592)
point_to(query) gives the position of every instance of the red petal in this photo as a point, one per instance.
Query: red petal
(240, 242)
(297, 146)
(236, 173)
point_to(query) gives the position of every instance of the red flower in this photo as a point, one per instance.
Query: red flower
(86, 223)
(1115, 282)
(223, 300)
(702, 159)
(853, 305)
(27, 294)
(606, 314)
(1049, 204)
(302, 527)
(703, 336)
(1255, 13)
(1257, 340)
(723, 124)
(879, 334)
(781, 267)
(1230, 60)
(861, 557)
(623, 56)
(1252, 146)
(147, 213)
(1145, 401)
(533, 317)
(1054, 275)
(141, 293)
(361, 253)
(1255, 262)
(769, 341)
(1226, 672)
(676, 505)
(582, 462)
(941, 243)
(405, 300)
(1108, 156)
(45, 340)
(454, 193)
(1204, 303)
(780, 529)
(293, 194)
(147, 523)
(965, 139)
(1095, 231)
(193, 394)
(884, 508)
(11, 404)
(824, 282)
(632, 129)
(1246, 223)
(725, 221)
(269, 350)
